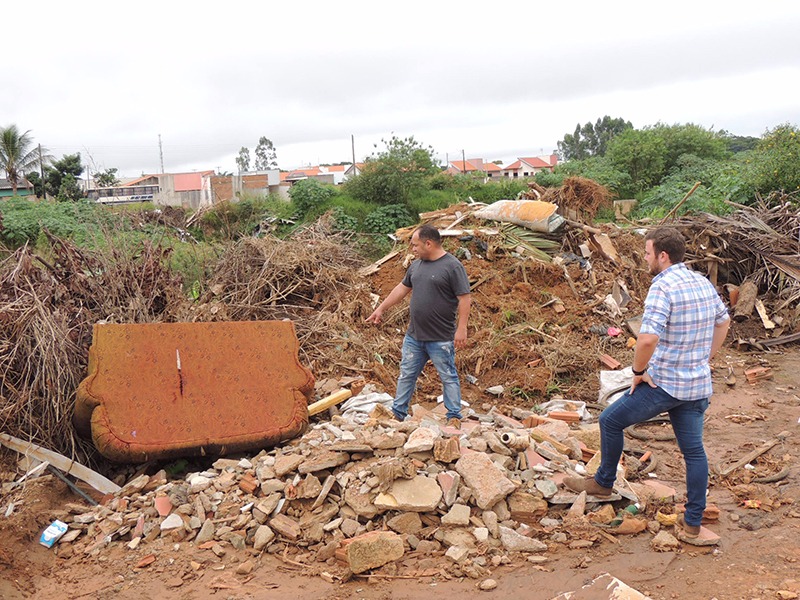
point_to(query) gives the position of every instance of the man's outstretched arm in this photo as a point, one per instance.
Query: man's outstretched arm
(399, 292)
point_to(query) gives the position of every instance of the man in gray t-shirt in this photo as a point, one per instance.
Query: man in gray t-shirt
(438, 320)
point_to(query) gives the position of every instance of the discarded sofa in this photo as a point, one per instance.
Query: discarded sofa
(163, 390)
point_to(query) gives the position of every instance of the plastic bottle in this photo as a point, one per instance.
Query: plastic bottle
(633, 509)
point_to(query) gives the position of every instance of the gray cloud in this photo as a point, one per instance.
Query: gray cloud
(107, 79)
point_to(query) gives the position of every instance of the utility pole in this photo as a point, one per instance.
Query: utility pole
(463, 161)
(353, 147)
(161, 153)
(41, 172)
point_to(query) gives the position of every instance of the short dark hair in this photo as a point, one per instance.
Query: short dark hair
(669, 240)
(429, 232)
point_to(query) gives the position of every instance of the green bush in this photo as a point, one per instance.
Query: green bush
(23, 220)
(775, 163)
(721, 180)
(432, 200)
(232, 220)
(342, 221)
(549, 179)
(387, 219)
(351, 207)
(308, 194)
(505, 188)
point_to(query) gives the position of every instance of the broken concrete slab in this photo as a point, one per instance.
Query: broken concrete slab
(420, 494)
(372, 550)
(603, 587)
(488, 482)
(515, 542)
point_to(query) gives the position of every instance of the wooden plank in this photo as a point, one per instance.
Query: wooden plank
(374, 267)
(70, 467)
(751, 456)
(332, 400)
(762, 312)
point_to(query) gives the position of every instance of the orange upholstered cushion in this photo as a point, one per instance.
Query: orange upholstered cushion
(161, 390)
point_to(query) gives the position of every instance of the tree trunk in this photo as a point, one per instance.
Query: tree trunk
(748, 293)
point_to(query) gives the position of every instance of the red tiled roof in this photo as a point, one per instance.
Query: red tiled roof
(491, 167)
(188, 182)
(536, 162)
(513, 166)
(137, 181)
(184, 182)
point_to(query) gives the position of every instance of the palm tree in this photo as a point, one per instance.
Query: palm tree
(17, 154)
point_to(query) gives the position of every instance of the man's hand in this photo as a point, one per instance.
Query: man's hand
(637, 379)
(460, 340)
(375, 317)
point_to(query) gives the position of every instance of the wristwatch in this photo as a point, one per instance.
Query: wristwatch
(639, 373)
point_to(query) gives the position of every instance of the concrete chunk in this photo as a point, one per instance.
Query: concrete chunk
(515, 542)
(421, 494)
(487, 481)
(458, 515)
(372, 550)
(421, 440)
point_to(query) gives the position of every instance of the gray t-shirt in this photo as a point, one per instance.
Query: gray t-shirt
(435, 285)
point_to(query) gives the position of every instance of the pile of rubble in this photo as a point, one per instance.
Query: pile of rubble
(361, 492)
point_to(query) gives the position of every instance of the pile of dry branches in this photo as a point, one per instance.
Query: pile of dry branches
(759, 243)
(311, 278)
(47, 309)
(584, 196)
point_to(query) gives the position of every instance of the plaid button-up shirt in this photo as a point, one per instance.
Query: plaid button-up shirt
(682, 308)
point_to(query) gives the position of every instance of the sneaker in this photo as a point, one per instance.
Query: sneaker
(588, 485)
(454, 423)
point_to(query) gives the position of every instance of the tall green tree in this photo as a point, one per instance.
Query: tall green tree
(266, 157)
(243, 160)
(61, 178)
(642, 154)
(591, 139)
(106, 178)
(688, 138)
(18, 154)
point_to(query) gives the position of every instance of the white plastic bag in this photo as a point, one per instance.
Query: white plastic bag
(614, 380)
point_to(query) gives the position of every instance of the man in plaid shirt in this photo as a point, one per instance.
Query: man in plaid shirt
(684, 325)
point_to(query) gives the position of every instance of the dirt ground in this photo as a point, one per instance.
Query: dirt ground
(757, 558)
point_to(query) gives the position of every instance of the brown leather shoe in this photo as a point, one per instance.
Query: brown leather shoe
(690, 531)
(454, 423)
(588, 485)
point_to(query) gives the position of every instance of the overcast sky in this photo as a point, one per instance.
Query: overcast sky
(496, 80)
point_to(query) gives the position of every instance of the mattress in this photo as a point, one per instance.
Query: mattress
(164, 390)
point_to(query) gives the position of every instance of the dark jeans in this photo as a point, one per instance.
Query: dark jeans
(687, 423)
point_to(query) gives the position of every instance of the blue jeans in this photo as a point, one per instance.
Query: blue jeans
(415, 355)
(687, 423)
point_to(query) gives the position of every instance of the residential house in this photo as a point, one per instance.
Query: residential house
(231, 187)
(353, 170)
(489, 170)
(528, 167)
(24, 188)
(334, 174)
(189, 190)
